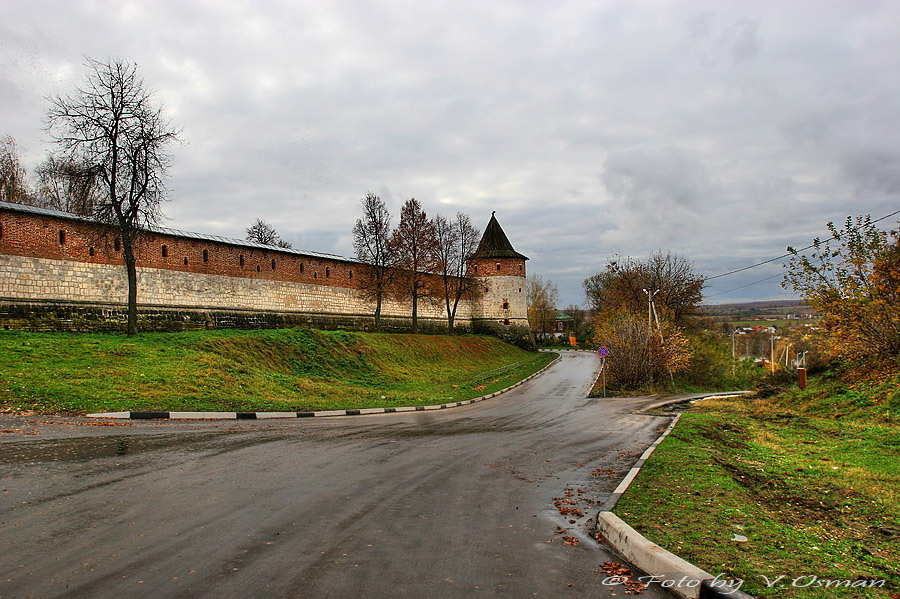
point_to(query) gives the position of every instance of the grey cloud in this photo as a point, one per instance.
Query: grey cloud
(721, 131)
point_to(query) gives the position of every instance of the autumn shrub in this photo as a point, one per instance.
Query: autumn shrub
(640, 353)
(853, 278)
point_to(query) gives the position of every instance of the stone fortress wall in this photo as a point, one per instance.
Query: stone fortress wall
(57, 272)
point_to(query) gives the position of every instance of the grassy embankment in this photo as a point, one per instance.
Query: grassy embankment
(271, 370)
(811, 478)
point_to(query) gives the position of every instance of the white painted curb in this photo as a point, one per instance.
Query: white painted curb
(650, 557)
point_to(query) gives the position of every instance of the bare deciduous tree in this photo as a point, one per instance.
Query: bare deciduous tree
(264, 233)
(13, 177)
(371, 241)
(414, 243)
(113, 127)
(68, 186)
(541, 297)
(621, 285)
(456, 240)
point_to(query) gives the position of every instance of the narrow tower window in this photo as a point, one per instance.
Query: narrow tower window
(301, 268)
(241, 259)
(327, 272)
(206, 255)
(62, 237)
(91, 251)
(165, 251)
(273, 263)
(351, 274)
(498, 266)
(117, 244)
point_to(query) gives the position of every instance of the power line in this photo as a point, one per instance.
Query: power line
(742, 286)
(783, 256)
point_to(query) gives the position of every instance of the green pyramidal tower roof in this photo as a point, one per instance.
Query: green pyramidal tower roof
(494, 243)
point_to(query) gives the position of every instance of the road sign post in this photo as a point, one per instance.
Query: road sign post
(603, 352)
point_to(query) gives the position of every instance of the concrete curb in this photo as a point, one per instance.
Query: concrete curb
(670, 571)
(320, 414)
(693, 398)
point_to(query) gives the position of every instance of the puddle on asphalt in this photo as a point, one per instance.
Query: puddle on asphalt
(89, 448)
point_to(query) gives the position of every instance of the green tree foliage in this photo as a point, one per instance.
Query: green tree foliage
(853, 278)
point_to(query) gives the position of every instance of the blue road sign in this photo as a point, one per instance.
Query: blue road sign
(602, 351)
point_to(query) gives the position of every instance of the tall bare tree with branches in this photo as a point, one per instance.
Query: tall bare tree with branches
(456, 240)
(371, 241)
(414, 243)
(114, 128)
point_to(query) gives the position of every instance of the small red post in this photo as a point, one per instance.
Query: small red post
(801, 374)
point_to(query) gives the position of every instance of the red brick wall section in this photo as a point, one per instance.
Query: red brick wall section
(23, 234)
(39, 236)
(486, 267)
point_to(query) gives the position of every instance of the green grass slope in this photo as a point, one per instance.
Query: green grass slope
(810, 477)
(272, 370)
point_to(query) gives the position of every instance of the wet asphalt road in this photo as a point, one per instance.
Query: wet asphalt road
(452, 503)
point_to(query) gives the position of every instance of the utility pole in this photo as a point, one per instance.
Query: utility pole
(650, 297)
(772, 352)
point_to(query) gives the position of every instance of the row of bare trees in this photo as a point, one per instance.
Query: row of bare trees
(422, 259)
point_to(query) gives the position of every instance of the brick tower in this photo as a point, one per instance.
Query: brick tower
(501, 269)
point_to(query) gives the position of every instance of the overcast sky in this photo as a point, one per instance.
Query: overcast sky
(723, 131)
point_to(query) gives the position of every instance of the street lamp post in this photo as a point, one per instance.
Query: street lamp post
(733, 357)
(650, 297)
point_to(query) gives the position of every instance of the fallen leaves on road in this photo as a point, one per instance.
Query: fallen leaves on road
(622, 574)
(603, 472)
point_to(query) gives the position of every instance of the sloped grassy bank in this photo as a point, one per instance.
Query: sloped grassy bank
(810, 478)
(272, 370)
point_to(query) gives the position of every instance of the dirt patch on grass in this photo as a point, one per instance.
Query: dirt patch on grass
(729, 435)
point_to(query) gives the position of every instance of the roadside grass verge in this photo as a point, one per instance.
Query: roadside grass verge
(811, 478)
(270, 370)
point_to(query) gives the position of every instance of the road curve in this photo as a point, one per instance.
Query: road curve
(451, 503)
